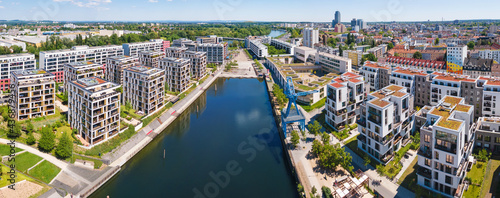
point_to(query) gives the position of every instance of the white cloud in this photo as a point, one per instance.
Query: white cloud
(153, 1)
(1, 7)
(85, 3)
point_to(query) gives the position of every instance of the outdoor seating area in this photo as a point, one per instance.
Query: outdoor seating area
(347, 186)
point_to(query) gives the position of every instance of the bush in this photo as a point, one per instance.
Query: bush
(31, 139)
(327, 193)
(15, 132)
(483, 155)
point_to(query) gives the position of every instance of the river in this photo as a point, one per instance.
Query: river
(226, 144)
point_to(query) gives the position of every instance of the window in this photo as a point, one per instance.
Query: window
(448, 179)
(427, 183)
(377, 146)
(436, 155)
(497, 139)
(449, 159)
(427, 162)
(479, 137)
(436, 175)
(427, 138)
(487, 138)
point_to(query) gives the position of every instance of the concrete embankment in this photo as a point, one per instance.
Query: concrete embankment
(297, 172)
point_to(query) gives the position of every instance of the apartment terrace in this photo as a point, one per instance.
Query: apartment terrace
(446, 109)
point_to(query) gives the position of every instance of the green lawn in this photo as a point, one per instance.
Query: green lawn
(316, 105)
(46, 120)
(131, 112)
(45, 171)
(25, 160)
(5, 176)
(340, 135)
(5, 149)
(62, 130)
(490, 187)
(476, 175)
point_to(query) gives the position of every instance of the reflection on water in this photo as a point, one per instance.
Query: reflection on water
(217, 129)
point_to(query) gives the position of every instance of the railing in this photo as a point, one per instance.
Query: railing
(424, 172)
(446, 149)
(426, 154)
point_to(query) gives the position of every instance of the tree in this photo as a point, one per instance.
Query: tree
(483, 155)
(295, 138)
(417, 55)
(65, 147)
(471, 45)
(47, 141)
(29, 127)
(370, 57)
(332, 42)
(325, 138)
(367, 160)
(314, 128)
(390, 46)
(14, 132)
(31, 139)
(436, 42)
(396, 54)
(128, 106)
(300, 189)
(313, 190)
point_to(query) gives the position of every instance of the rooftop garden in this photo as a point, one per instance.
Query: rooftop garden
(462, 108)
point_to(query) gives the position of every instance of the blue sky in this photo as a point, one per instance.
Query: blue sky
(254, 10)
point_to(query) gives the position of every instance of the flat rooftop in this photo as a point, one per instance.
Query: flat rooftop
(143, 69)
(445, 110)
(175, 60)
(391, 90)
(33, 72)
(82, 48)
(15, 55)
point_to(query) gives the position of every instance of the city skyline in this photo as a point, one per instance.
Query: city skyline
(225, 10)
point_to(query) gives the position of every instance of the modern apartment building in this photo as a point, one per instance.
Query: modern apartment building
(376, 75)
(344, 97)
(184, 42)
(258, 49)
(198, 63)
(213, 39)
(385, 122)
(311, 37)
(406, 78)
(116, 65)
(151, 58)
(94, 109)
(133, 49)
(455, 58)
(14, 62)
(144, 88)
(446, 141)
(305, 54)
(175, 52)
(34, 93)
(422, 90)
(54, 61)
(446, 85)
(488, 134)
(279, 44)
(333, 63)
(216, 53)
(83, 69)
(490, 54)
(177, 73)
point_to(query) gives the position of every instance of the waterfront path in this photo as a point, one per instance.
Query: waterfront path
(121, 155)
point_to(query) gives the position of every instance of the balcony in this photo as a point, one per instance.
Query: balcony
(361, 122)
(487, 98)
(362, 138)
(452, 150)
(424, 172)
(425, 153)
(387, 158)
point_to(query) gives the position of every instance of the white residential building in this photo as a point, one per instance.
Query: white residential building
(333, 63)
(14, 62)
(344, 97)
(446, 142)
(54, 61)
(406, 78)
(305, 54)
(376, 75)
(386, 122)
(259, 49)
(311, 37)
(490, 54)
(94, 109)
(446, 85)
(144, 88)
(34, 93)
(133, 49)
(279, 44)
(175, 52)
(198, 63)
(455, 57)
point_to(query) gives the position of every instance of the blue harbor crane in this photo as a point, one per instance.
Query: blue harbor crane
(288, 117)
